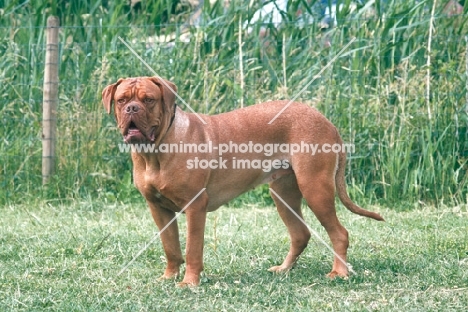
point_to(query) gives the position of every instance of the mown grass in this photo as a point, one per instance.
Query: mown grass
(411, 146)
(66, 257)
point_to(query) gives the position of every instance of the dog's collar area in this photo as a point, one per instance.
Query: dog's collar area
(173, 116)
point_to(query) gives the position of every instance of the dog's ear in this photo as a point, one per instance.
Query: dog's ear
(168, 92)
(108, 95)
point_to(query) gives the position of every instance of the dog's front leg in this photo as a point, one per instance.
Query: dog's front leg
(169, 238)
(196, 219)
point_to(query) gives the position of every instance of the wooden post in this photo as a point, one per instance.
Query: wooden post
(50, 99)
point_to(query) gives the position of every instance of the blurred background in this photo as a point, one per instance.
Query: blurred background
(398, 92)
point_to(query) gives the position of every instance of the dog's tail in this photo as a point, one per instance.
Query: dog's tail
(343, 195)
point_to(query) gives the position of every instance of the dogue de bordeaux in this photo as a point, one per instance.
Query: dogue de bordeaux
(206, 153)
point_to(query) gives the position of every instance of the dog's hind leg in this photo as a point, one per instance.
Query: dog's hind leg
(286, 188)
(319, 193)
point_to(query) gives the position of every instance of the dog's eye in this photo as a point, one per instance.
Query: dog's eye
(121, 101)
(148, 101)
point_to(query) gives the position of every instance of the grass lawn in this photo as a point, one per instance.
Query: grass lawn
(67, 257)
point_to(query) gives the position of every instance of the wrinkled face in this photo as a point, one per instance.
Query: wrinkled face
(144, 107)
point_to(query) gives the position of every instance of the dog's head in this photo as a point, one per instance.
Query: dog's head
(143, 107)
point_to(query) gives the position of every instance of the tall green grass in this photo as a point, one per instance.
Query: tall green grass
(375, 93)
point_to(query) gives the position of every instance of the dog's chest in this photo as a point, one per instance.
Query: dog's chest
(161, 198)
(154, 192)
(164, 202)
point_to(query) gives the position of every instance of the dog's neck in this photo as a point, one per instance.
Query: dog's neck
(173, 117)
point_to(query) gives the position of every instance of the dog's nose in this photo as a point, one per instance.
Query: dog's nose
(132, 108)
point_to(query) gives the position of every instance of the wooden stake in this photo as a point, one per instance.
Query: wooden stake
(50, 99)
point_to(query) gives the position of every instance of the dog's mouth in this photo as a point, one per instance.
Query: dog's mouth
(135, 135)
(133, 129)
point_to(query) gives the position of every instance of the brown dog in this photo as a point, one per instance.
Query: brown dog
(146, 114)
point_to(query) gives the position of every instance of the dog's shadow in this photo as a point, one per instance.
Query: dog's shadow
(307, 273)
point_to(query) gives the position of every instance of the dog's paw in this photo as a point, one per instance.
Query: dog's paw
(334, 274)
(168, 276)
(187, 284)
(280, 269)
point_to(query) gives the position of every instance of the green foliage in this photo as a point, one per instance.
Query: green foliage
(411, 138)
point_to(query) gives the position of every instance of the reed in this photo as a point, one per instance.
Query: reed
(376, 93)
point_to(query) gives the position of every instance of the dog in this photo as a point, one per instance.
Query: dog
(146, 113)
